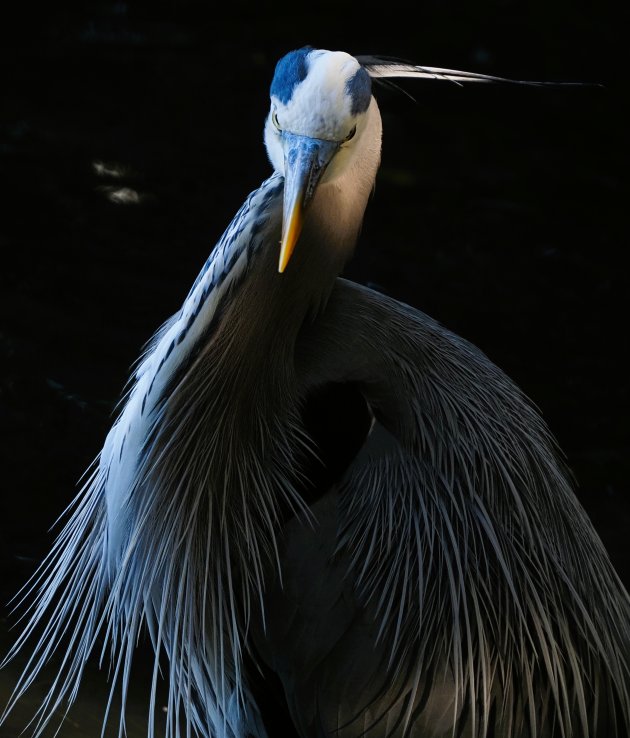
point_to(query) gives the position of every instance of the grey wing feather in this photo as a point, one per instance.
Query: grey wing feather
(467, 583)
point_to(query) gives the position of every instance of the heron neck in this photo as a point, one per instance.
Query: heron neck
(269, 309)
(240, 310)
(272, 307)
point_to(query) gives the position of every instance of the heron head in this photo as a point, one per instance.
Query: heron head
(319, 101)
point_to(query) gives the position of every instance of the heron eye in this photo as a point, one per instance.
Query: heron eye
(351, 134)
(274, 120)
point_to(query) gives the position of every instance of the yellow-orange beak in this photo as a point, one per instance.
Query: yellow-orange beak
(305, 160)
(292, 219)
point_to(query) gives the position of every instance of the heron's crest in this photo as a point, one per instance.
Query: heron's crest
(384, 67)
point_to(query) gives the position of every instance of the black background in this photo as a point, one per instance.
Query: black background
(500, 211)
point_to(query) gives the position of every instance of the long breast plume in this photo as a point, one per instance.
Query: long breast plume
(110, 572)
(173, 348)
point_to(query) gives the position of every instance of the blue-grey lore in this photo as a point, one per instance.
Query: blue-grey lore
(431, 573)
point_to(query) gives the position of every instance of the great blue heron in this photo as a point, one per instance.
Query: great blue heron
(432, 575)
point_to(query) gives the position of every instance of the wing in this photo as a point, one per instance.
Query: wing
(453, 582)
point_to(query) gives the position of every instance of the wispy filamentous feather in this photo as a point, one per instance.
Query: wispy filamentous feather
(381, 67)
(177, 522)
(470, 548)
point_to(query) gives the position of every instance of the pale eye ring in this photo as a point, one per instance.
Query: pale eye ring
(351, 134)
(274, 120)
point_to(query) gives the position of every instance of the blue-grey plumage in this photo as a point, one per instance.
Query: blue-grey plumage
(445, 582)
